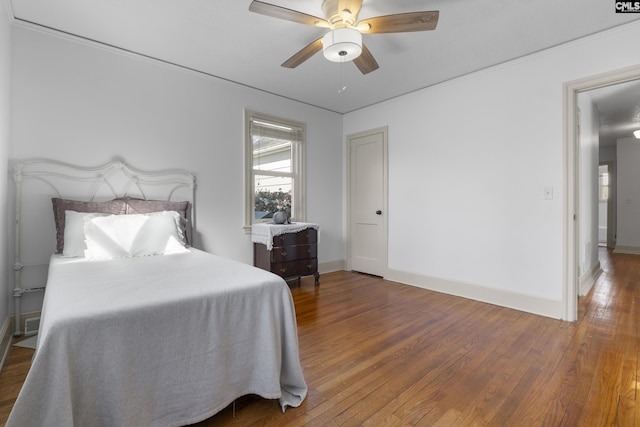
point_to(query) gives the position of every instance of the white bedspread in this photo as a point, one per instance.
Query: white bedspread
(158, 341)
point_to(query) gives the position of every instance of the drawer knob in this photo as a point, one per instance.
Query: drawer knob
(283, 270)
(283, 253)
(309, 266)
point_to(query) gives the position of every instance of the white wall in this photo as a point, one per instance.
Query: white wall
(607, 154)
(468, 163)
(628, 195)
(5, 118)
(602, 222)
(86, 105)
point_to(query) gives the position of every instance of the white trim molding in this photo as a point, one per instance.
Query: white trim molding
(522, 302)
(588, 279)
(633, 250)
(331, 266)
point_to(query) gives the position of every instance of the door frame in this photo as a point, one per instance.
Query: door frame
(385, 197)
(571, 224)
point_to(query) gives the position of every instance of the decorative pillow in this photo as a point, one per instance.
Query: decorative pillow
(121, 236)
(74, 245)
(142, 206)
(113, 207)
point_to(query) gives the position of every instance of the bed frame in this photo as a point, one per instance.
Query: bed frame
(39, 180)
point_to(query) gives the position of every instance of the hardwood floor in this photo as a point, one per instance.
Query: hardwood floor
(377, 353)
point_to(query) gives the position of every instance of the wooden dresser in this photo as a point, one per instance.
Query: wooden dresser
(293, 254)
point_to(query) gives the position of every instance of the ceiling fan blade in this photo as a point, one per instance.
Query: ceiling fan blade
(305, 53)
(400, 23)
(286, 14)
(366, 63)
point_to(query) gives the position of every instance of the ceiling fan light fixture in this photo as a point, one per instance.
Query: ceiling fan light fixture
(636, 133)
(342, 44)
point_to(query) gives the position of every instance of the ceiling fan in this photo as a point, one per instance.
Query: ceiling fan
(343, 41)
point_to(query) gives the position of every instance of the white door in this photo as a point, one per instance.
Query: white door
(368, 202)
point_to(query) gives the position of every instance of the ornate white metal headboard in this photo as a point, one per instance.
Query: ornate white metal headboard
(39, 180)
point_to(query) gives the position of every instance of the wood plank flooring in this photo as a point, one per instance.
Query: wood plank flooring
(377, 353)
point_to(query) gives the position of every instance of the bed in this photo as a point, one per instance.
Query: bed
(164, 338)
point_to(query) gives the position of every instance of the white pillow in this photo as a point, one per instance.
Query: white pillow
(120, 236)
(74, 245)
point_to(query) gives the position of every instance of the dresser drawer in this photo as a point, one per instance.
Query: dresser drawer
(310, 235)
(302, 267)
(294, 252)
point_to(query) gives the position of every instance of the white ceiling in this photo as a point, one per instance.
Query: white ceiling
(223, 39)
(619, 109)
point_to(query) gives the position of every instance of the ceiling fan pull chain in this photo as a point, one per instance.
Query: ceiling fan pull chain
(343, 84)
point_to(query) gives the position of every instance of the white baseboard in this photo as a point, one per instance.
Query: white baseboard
(588, 279)
(634, 250)
(528, 303)
(328, 267)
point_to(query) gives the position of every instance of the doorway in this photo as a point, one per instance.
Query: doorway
(572, 213)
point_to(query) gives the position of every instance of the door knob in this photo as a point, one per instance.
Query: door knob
(378, 212)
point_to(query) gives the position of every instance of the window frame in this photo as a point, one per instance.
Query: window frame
(602, 177)
(297, 168)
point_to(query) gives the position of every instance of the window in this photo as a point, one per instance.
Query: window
(603, 181)
(274, 168)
